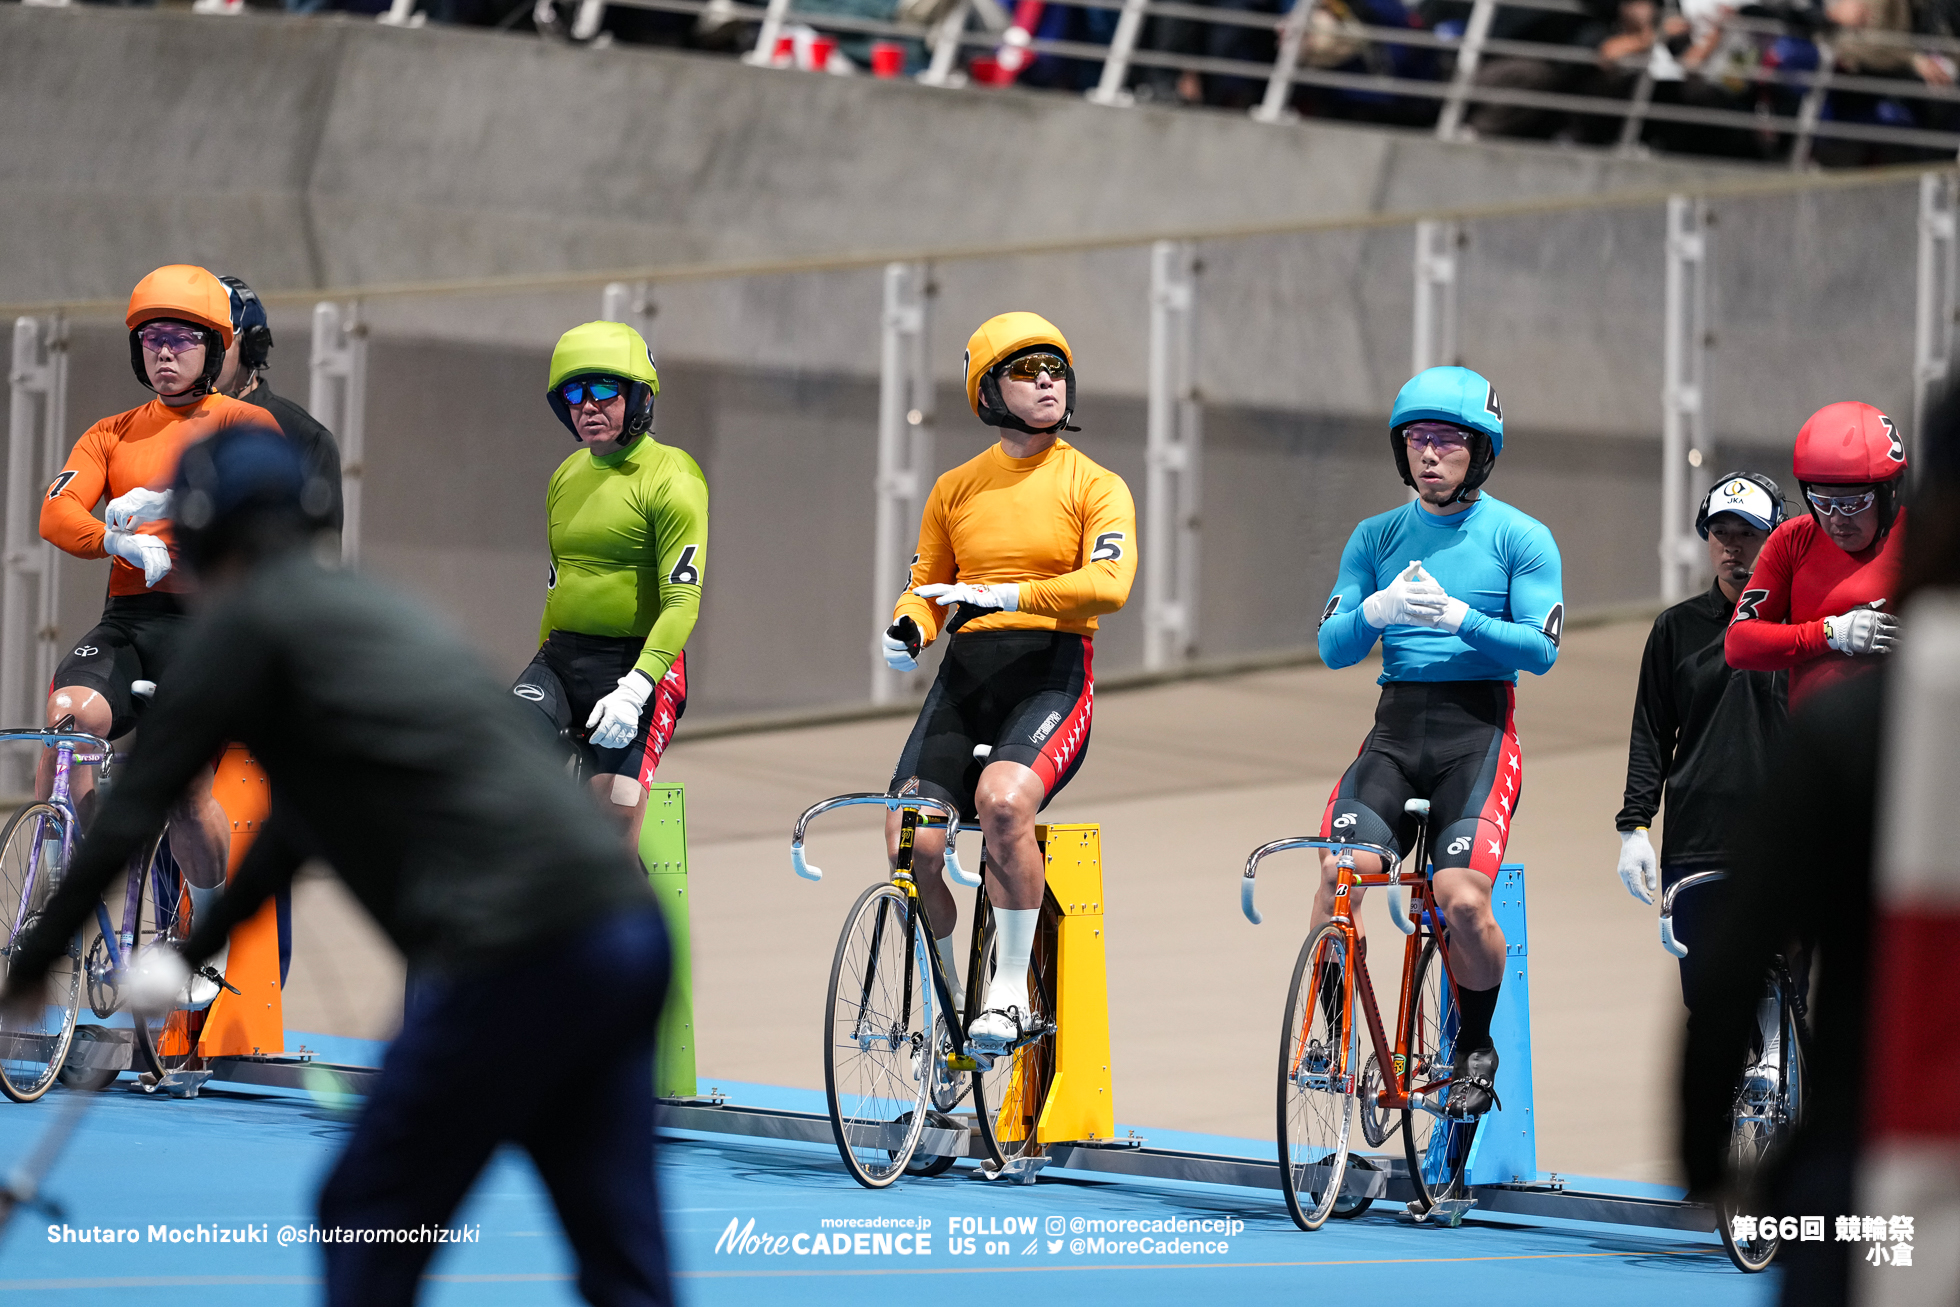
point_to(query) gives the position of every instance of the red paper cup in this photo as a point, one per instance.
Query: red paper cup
(887, 59)
(821, 48)
(785, 52)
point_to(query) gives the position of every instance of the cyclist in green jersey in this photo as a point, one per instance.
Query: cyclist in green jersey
(628, 525)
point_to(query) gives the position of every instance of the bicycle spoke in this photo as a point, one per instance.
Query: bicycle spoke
(1319, 1071)
(877, 1053)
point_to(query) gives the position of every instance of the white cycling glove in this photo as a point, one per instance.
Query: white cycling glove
(901, 644)
(1638, 866)
(156, 981)
(1454, 610)
(1411, 599)
(1862, 630)
(615, 717)
(1007, 598)
(127, 512)
(147, 552)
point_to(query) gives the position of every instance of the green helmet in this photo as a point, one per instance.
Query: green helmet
(610, 349)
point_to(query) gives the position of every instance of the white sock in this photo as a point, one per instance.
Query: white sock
(949, 962)
(1013, 946)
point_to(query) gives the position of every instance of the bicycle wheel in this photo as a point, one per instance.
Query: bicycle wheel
(168, 1041)
(31, 866)
(1008, 1097)
(877, 1058)
(1319, 1068)
(1434, 1146)
(1758, 1127)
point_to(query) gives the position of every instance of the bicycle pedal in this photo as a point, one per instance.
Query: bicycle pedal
(1021, 1170)
(970, 1062)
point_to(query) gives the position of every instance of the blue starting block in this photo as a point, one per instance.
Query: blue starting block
(1505, 1150)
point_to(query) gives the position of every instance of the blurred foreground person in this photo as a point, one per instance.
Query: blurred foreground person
(395, 758)
(1803, 861)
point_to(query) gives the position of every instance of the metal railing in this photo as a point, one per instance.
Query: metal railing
(983, 25)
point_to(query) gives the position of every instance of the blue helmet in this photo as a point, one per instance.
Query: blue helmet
(239, 473)
(1454, 395)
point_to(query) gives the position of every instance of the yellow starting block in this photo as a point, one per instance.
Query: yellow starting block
(1077, 1101)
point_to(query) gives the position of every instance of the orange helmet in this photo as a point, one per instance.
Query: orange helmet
(186, 293)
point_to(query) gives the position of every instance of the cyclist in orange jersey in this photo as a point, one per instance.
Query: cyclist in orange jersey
(179, 329)
(1021, 549)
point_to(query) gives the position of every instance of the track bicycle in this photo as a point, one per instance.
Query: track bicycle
(1762, 1119)
(1327, 1086)
(896, 1059)
(36, 849)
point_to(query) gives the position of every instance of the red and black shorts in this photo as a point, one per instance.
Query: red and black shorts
(1451, 742)
(572, 672)
(1028, 694)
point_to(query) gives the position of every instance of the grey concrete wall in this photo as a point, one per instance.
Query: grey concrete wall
(332, 151)
(340, 152)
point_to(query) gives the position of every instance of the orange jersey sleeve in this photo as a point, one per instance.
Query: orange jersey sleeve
(119, 454)
(1059, 527)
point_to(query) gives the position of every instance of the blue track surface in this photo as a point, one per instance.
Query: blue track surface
(237, 1162)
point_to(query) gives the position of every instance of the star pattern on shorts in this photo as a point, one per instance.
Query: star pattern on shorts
(1496, 849)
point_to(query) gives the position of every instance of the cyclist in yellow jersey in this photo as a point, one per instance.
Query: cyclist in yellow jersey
(1021, 549)
(627, 519)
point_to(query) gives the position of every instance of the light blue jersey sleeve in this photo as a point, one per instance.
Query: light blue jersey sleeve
(1526, 641)
(1345, 635)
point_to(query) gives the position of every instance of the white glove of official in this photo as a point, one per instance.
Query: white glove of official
(147, 552)
(1411, 599)
(1007, 598)
(615, 717)
(127, 512)
(900, 645)
(1638, 866)
(1862, 630)
(156, 981)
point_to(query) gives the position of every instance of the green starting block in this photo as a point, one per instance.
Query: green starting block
(663, 850)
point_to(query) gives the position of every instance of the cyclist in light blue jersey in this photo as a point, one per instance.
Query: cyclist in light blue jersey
(1464, 592)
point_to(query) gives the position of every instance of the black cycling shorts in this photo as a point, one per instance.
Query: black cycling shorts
(1451, 742)
(1029, 694)
(135, 641)
(572, 672)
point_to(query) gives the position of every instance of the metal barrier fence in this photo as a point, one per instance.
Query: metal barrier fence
(1236, 378)
(986, 25)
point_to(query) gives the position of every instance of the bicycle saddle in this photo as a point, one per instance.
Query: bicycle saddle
(1416, 807)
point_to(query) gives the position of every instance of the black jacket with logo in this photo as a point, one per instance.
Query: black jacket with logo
(1702, 730)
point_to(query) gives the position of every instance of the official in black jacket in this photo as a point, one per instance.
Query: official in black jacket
(243, 378)
(1703, 732)
(394, 756)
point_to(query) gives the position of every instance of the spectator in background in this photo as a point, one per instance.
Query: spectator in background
(1331, 43)
(1589, 29)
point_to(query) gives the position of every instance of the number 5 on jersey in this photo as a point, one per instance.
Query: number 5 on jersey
(685, 572)
(1109, 547)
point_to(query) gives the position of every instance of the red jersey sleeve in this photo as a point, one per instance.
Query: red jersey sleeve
(68, 519)
(1761, 637)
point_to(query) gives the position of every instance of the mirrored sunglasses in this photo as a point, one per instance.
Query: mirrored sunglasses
(1844, 505)
(598, 389)
(1439, 436)
(1030, 366)
(157, 337)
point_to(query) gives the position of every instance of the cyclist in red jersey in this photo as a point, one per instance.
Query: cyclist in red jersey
(1819, 602)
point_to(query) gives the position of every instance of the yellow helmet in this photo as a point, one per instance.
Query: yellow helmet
(999, 339)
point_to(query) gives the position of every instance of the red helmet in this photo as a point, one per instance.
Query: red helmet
(1849, 444)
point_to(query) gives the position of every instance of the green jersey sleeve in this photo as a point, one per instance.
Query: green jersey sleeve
(680, 522)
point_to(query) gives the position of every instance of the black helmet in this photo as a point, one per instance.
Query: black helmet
(240, 476)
